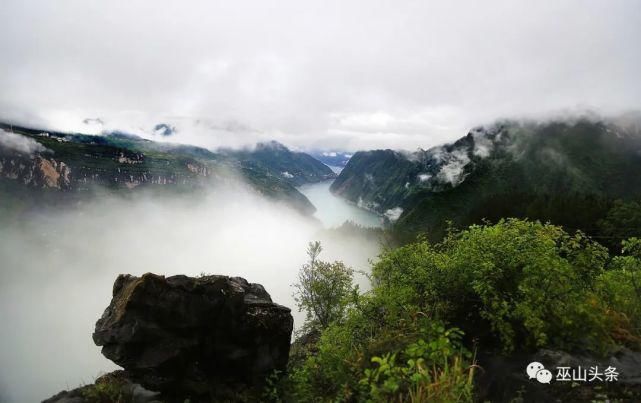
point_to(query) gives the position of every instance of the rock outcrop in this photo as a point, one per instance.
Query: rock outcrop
(35, 171)
(203, 339)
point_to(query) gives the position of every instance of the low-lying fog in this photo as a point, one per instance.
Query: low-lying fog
(58, 268)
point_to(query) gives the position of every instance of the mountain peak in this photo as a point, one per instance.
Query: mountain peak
(271, 145)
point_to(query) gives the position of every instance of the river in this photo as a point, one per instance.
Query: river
(332, 211)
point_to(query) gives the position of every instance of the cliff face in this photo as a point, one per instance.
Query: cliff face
(179, 337)
(70, 166)
(39, 172)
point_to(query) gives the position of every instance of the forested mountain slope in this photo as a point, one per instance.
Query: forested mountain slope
(36, 163)
(577, 174)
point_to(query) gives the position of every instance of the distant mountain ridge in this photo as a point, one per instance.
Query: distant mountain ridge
(297, 168)
(569, 172)
(336, 159)
(68, 162)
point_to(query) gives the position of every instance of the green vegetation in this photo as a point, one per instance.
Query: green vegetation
(377, 178)
(108, 389)
(514, 286)
(622, 221)
(119, 162)
(323, 290)
(620, 288)
(579, 175)
(295, 168)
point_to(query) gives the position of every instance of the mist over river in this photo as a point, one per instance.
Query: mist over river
(57, 268)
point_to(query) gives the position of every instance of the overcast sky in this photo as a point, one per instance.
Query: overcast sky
(329, 74)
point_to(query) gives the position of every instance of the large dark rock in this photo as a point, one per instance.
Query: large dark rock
(192, 337)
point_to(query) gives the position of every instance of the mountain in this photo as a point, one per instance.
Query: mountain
(336, 159)
(55, 166)
(296, 168)
(569, 172)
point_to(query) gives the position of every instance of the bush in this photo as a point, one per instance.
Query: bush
(107, 389)
(514, 283)
(432, 371)
(620, 289)
(345, 365)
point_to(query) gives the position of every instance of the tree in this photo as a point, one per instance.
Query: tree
(324, 289)
(620, 286)
(622, 221)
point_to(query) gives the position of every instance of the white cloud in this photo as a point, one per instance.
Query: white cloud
(393, 214)
(326, 75)
(483, 145)
(452, 170)
(19, 143)
(424, 177)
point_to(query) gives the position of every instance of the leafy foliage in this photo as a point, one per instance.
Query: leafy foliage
(515, 285)
(107, 389)
(324, 289)
(381, 355)
(369, 329)
(620, 288)
(622, 221)
(431, 371)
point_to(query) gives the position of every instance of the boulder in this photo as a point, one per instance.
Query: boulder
(188, 337)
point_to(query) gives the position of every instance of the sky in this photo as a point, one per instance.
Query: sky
(332, 75)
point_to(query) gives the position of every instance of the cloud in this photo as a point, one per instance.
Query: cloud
(393, 214)
(454, 163)
(327, 75)
(483, 144)
(19, 143)
(424, 177)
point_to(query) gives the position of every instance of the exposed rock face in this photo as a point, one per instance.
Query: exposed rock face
(187, 336)
(38, 171)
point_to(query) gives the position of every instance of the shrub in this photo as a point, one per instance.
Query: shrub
(349, 351)
(514, 283)
(425, 371)
(620, 289)
(108, 389)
